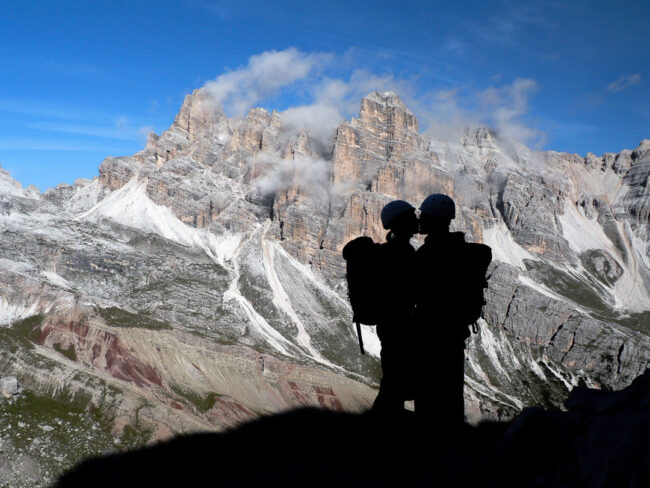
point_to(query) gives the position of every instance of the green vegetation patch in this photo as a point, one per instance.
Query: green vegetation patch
(121, 318)
(58, 433)
(55, 434)
(202, 403)
(27, 329)
(135, 436)
(639, 322)
(603, 266)
(68, 353)
(566, 285)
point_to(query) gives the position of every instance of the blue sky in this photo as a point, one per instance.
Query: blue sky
(80, 81)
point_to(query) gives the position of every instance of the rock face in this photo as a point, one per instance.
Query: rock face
(9, 386)
(223, 237)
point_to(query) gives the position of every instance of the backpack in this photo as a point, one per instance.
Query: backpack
(476, 260)
(362, 256)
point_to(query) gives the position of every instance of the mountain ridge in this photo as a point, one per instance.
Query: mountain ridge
(229, 231)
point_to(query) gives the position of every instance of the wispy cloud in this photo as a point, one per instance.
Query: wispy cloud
(57, 117)
(263, 77)
(505, 107)
(336, 99)
(37, 144)
(311, 174)
(332, 99)
(55, 67)
(508, 22)
(502, 107)
(69, 69)
(48, 109)
(329, 94)
(222, 9)
(624, 82)
(497, 29)
(120, 132)
(454, 47)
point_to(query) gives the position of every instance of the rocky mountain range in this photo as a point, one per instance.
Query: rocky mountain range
(200, 283)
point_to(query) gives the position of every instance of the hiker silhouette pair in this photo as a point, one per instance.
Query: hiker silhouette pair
(422, 303)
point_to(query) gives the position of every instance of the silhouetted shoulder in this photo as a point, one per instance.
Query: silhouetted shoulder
(480, 255)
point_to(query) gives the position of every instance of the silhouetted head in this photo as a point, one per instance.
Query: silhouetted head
(436, 213)
(399, 217)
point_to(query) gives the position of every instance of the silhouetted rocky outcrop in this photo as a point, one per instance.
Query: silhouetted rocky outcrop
(600, 441)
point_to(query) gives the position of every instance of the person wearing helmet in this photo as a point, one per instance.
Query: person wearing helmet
(395, 327)
(440, 334)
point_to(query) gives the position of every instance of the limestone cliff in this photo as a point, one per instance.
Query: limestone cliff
(207, 267)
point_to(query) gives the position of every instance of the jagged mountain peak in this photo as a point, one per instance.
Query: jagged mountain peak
(389, 98)
(387, 109)
(233, 228)
(6, 179)
(484, 134)
(10, 187)
(642, 149)
(198, 113)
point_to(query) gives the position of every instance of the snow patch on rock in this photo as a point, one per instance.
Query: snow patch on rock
(12, 188)
(130, 206)
(281, 300)
(13, 312)
(56, 280)
(259, 323)
(504, 248)
(223, 247)
(632, 290)
(582, 233)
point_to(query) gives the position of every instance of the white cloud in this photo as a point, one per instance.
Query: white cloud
(266, 73)
(312, 175)
(333, 99)
(624, 82)
(441, 112)
(454, 46)
(33, 144)
(121, 130)
(320, 120)
(505, 107)
(118, 132)
(145, 132)
(122, 122)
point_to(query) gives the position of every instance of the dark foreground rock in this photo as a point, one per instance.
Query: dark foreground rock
(601, 441)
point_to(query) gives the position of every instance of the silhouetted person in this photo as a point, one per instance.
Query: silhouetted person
(448, 301)
(395, 326)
